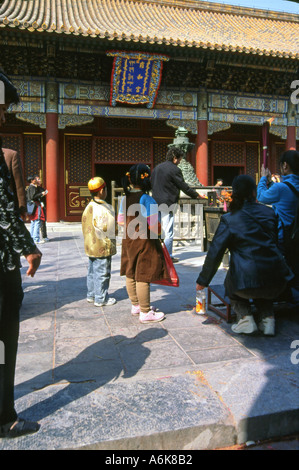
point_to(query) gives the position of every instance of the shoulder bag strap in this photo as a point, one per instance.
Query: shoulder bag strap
(292, 188)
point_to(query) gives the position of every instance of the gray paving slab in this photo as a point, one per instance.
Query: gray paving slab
(96, 378)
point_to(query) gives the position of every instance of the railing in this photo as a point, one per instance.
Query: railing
(189, 221)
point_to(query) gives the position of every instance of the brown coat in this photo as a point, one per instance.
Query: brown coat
(141, 258)
(13, 163)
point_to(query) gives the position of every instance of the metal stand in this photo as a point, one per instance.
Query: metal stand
(222, 309)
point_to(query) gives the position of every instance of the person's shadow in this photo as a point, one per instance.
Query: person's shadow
(94, 367)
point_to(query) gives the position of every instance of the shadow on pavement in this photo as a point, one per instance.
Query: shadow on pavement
(93, 368)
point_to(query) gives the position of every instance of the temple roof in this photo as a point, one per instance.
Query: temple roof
(183, 23)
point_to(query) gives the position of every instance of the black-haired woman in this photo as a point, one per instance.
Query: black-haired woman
(142, 260)
(257, 269)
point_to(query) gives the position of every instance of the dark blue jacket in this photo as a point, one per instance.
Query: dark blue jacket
(250, 234)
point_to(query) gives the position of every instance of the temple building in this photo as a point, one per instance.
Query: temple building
(105, 84)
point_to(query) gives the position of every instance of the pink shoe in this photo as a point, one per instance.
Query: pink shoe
(135, 310)
(151, 317)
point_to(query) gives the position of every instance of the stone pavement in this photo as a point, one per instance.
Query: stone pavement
(95, 378)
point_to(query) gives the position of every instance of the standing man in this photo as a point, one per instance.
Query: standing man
(15, 240)
(167, 182)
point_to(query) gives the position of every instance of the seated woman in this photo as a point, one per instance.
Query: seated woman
(257, 269)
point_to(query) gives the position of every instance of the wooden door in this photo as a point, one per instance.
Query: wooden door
(78, 171)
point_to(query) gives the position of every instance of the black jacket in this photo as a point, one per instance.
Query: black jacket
(167, 182)
(250, 234)
(33, 193)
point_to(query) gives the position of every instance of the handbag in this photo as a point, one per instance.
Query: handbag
(30, 207)
(174, 278)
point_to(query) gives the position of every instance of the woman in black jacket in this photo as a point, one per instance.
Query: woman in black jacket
(257, 269)
(35, 194)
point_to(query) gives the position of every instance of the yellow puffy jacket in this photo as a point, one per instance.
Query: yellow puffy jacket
(98, 227)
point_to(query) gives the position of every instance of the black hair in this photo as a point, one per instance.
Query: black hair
(291, 157)
(10, 91)
(31, 178)
(244, 189)
(138, 175)
(174, 152)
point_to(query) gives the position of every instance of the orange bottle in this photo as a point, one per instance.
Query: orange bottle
(200, 308)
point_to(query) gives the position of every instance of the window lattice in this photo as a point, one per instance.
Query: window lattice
(79, 159)
(122, 150)
(32, 154)
(13, 142)
(252, 159)
(228, 153)
(160, 150)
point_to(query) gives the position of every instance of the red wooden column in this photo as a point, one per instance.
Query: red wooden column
(202, 167)
(291, 126)
(291, 138)
(52, 153)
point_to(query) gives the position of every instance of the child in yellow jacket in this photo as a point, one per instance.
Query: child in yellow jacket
(98, 226)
